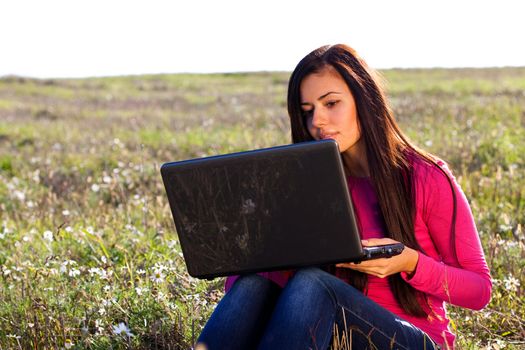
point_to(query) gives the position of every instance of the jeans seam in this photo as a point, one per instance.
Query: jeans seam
(336, 303)
(372, 326)
(332, 297)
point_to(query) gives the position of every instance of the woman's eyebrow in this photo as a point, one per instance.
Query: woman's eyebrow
(321, 97)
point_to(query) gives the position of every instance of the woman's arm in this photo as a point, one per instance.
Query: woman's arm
(459, 276)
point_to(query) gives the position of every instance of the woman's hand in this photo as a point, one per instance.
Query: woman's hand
(383, 267)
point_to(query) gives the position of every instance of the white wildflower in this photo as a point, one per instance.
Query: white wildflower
(48, 235)
(95, 188)
(108, 302)
(121, 328)
(511, 283)
(95, 271)
(106, 179)
(68, 229)
(141, 272)
(157, 276)
(160, 267)
(65, 212)
(74, 272)
(21, 196)
(140, 291)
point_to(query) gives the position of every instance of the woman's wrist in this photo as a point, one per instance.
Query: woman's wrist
(412, 259)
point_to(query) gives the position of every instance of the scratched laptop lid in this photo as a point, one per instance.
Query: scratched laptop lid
(269, 209)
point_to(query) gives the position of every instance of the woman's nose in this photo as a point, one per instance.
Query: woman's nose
(318, 118)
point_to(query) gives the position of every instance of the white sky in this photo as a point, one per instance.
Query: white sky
(71, 38)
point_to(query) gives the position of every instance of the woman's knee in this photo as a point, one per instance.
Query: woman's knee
(307, 285)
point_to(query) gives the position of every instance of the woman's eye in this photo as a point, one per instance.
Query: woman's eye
(331, 103)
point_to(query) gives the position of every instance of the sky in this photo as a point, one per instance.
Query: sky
(71, 38)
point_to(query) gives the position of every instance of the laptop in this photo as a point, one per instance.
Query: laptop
(269, 209)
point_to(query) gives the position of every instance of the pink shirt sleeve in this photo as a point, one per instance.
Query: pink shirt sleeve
(464, 281)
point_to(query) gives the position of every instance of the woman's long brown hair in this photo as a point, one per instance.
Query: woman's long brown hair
(388, 154)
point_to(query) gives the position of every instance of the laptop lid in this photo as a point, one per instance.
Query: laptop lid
(262, 210)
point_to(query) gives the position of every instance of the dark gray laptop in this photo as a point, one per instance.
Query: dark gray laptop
(268, 209)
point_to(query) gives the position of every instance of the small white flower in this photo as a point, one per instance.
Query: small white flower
(122, 328)
(140, 291)
(104, 260)
(157, 276)
(69, 229)
(65, 212)
(106, 179)
(21, 196)
(95, 271)
(74, 272)
(68, 344)
(141, 272)
(108, 302)
(48, 235)
(160, 267)
(25, 239)
(30, 204)
(511, 283)
(95, 188)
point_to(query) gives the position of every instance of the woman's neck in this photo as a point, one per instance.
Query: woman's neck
(355, 160)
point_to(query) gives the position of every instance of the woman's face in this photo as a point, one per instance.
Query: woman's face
(329, 108)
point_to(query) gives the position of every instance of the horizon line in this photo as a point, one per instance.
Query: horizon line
(262, 71)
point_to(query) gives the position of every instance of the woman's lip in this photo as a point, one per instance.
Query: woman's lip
(328, 136)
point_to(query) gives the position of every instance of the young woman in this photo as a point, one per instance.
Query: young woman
(400, 194)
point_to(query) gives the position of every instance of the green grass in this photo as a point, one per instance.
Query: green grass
(86, 235)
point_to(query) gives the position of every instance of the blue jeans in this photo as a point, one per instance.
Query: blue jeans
(257, 314)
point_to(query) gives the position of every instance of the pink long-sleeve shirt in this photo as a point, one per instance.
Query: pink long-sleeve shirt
(461, 280)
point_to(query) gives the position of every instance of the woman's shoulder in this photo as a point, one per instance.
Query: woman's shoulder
(430, 170)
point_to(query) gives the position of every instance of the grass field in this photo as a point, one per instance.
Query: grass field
(88, 253)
